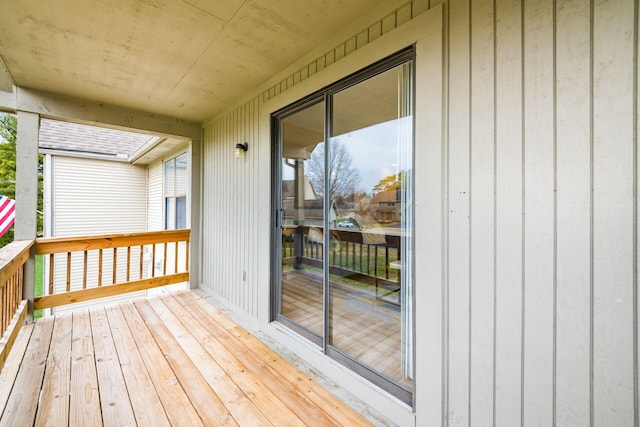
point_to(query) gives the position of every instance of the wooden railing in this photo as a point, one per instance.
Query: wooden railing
(85, 268)
(13, 308)
(366, 257)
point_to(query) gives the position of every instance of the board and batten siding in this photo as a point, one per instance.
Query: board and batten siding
(542, 214)
(230, 203)
(93, 197)
(539, 185)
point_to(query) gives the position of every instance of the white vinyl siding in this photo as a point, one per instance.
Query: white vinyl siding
(526, 211)
(98, 197)
(94, 197)
(154, 197)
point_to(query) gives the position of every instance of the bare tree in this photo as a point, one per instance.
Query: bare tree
(344, 177)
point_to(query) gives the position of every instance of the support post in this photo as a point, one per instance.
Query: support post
(196, 190)
(27, 195)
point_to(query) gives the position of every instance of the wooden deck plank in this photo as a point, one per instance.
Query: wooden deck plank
(84, 402)
(249, 369)
(22, 404)
(207, 403)
(12, 364)
(341, 412)
(54, 411)
(146, 404)
(255, 392)
(158, 362)
(114, 397)
(174, 400)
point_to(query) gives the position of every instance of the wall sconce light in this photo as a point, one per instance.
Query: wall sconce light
(241, 149)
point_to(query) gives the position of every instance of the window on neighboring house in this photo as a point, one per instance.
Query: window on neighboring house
(175, 193)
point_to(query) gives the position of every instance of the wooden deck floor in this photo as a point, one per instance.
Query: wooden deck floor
(169, 360)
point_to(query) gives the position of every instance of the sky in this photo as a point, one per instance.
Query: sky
(376, 151)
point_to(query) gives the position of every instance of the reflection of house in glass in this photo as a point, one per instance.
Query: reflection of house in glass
(310, 212)
(386, 206)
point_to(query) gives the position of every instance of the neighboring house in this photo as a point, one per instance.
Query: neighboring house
(387, 206)
(312, 210)
(95, 183)
(517, 259)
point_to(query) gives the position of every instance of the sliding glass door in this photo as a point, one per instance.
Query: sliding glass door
(343, 190)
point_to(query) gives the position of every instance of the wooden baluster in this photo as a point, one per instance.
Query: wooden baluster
(386, 261)
(128, 262)
(375, 261)
(19, 287)
(115, 266)
(10, 295)
(5, 308)
(84, 270)
(175, 262)
(153, 261)
(51, 265)
(20, 282)
(368, 259)
(100, 267)
(353, 255)
(68, 271)
(186, 261)
(164, 260)
(141, 261)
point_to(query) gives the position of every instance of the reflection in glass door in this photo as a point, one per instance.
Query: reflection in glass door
(370, 167)
(345, 216)
(302, 220)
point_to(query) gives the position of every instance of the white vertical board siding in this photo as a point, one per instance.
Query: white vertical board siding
(482, 219)
(539, 242)
(155, 198)
(573, 254)
(612, 216)
(231, 191)
(458, 210)
(553, 224)
(509, 213)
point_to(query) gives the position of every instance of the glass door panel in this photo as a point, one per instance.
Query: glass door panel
(302, 219)
(369, 168)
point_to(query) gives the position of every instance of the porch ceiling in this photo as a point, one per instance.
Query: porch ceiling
(187, 59)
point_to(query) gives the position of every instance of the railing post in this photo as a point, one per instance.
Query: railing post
(28, 282)
(195, 223)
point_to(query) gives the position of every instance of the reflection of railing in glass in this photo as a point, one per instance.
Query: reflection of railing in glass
(354, 258)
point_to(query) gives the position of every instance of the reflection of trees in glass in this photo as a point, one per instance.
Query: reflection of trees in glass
(391, 182)
(344, 176)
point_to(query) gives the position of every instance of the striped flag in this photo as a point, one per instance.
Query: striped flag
(7, 214)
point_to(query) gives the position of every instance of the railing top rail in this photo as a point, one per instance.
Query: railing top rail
(52, 245)
(12, 257)
(391, 237)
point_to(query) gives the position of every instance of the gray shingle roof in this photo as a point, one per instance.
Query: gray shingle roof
(78, 138)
